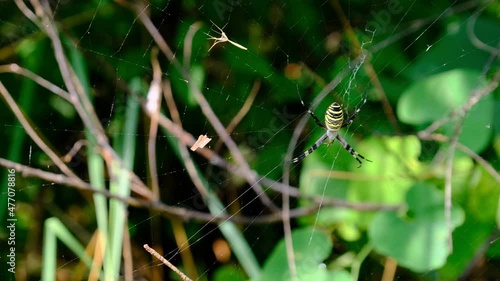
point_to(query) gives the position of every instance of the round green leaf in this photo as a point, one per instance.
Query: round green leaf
(433, 98)
(311, 247)
(419, 243)
(436, 97)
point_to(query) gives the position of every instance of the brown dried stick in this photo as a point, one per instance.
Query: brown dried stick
(242, 113)
(166, 262)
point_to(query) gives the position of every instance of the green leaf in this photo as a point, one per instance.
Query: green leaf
(310, 248)
(229, 273)
(321, 274)
(319, 178)
(418, 242)
(456, 42)
(476, 130)
(394, 160)
(480, 204)
(436, 97)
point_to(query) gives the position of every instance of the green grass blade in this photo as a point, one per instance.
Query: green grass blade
(120, 185)
(53, 230)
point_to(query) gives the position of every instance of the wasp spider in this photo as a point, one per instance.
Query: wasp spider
(334, 120)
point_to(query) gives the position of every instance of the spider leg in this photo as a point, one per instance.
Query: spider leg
(310, 150)
(221, 29)
(349, 120)
(351, 150)
(217, 40)
(215, 43)
(216, 32)
(316, 119)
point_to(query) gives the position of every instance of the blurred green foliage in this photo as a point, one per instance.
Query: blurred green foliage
(423, 62)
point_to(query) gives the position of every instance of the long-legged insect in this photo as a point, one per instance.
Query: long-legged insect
(223, 38)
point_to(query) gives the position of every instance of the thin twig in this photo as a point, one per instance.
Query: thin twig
(182, 241)
(153, 109)
(74, 150)
(16, 69)
(390, 267)
(188, 43)
(168, 211)
(448, 182)
(474, 98)
(128, 267)
(166, 262)
(287, 227)
(76, 92)
(487, 166)
(162, 44)
(444, 139)
(245, 108)
(428, 133)
(241, 113)
(479, 255)
(33, 134)
(153, 104)
(188, 161)
(27, 12)
(472, 36)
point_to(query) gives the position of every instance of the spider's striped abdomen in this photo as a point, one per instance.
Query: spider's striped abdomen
(334, 117)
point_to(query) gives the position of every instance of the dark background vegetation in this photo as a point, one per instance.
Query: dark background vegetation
(419, 63)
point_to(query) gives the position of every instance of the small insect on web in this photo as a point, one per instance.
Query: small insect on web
(334, 120)
(223, 38)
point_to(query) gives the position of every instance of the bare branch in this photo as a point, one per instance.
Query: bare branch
(33, 134)
(167, 263)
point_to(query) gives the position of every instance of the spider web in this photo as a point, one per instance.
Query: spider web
(321, 62)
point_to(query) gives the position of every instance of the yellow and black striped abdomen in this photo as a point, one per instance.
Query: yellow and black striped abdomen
(334, 117)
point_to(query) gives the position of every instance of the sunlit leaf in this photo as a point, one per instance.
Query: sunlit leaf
(310, 248)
